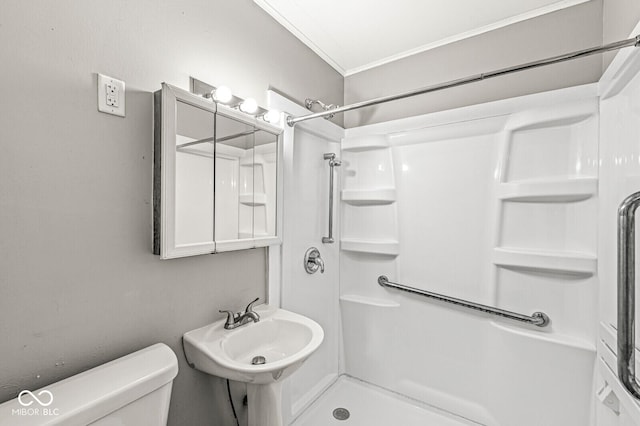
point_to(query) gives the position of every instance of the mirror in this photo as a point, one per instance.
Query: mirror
(265, 188)
(216, 176)
(194, 175)
(246, 195)
(234, 183)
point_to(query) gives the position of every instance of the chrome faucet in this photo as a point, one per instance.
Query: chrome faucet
(241, 318)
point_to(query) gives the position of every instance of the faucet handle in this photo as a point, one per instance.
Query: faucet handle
(231, 317)
(250, 305)
(313, 261)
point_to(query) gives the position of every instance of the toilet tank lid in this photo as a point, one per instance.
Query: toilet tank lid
(93, 394)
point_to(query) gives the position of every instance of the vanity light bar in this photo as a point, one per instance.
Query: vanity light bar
(224, 95)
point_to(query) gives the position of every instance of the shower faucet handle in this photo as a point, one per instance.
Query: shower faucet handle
(313, 261)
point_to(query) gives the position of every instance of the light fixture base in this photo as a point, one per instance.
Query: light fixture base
(200, 88)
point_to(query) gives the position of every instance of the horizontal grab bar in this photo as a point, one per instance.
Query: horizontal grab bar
(537, 318)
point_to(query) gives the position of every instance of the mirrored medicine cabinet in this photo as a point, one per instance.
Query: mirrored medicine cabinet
(217, 177)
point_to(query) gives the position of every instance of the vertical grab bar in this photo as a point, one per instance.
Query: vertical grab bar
(626, 294)
(333, 162)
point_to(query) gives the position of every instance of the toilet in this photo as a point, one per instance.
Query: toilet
(132, 390)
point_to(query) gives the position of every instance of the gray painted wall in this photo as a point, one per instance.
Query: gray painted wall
(556, 33)
(619, 17)
(78, 283)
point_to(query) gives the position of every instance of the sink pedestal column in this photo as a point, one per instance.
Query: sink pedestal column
(265, 404)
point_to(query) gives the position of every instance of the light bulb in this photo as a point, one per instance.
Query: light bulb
(249, 106)
(222, 94)
(272, 116)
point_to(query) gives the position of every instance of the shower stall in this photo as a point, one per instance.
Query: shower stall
(470, 260)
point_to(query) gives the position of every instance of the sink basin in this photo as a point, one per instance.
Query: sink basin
(260, 354)
(285, 340)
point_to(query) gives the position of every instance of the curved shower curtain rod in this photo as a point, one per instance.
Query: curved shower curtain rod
(635, 41)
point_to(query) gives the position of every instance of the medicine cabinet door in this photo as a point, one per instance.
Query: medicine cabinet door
(183, 174)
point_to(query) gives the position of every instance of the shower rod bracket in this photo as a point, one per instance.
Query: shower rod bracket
(309, 103)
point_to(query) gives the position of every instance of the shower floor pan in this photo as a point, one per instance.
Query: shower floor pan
(369, 405)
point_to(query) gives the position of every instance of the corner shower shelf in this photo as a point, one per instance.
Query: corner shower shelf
(369, 197)
(365, 143)
(253, 199)
(559, 262)
(387, 247)
(549, 191)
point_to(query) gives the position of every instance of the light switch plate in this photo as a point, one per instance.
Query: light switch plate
(111, 97)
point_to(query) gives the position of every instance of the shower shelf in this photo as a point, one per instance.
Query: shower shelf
(560, 262)
(253, 199)
(369, 197)
(387, 247)
(549, 191)
(365, 143)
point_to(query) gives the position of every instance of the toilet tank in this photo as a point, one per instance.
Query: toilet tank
(134, 390)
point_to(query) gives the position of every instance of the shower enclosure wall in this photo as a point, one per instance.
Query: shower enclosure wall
(510, 204)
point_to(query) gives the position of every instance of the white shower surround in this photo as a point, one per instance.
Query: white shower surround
(459, 235)
(499, 203)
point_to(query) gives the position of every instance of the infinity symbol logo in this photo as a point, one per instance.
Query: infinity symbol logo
(26, 392)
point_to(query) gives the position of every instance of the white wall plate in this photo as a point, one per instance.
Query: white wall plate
(111, 99)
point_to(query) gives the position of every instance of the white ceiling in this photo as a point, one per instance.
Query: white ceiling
(354, 35)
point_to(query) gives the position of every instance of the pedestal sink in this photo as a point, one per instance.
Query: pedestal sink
(260, 354)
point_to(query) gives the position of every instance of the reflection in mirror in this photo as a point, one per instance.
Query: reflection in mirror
(234, 179)
(265, 170)
(194, 175)
(246, 169)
